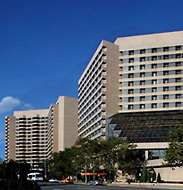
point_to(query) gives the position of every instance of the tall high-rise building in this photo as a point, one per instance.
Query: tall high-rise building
(136, 73)
(33, 135)
(98, 91)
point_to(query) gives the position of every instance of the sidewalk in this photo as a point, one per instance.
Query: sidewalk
(151, 185)
(144, 185)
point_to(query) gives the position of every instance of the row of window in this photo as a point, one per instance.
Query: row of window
(95, 125)
(153, 81)
(152, 50)
(152, 74)
(153, 105)
(153, 97)
(92, 134)
(83, 107)
(154, 89)
(89, 108)
(151, 66)
(93, 119)
(90, 115)
(152, 58)
(92, 67)
(92, 80)
(95, 84)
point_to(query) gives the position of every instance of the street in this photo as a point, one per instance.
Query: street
(48, 186)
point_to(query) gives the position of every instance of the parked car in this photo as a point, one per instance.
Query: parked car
(96, 182)
(53, 180)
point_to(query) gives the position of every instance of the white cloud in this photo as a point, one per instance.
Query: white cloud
(27, 106)
(8, 103)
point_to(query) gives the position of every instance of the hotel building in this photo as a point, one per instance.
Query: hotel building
(98, 91)
(33, 135)
(133, 74)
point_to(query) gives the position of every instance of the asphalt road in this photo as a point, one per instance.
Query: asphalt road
(48, 186)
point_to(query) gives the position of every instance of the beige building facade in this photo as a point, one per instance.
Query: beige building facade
(151, 71)
(98, 91)
(133, 74)
(33, 135)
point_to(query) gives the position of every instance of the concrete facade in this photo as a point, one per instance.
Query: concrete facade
(98, 91)
(139, 73)
(33, 135)
(151, 72)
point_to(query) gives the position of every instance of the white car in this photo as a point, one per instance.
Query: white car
(96, 182)
(53, 180)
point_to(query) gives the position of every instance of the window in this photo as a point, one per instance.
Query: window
(130, 83)
(153, 105)
(131, 52)
(154, 74)
(165, 72)
(142, 82)
(142, 98)
(165, 80)
(121, 52)
(153, 66)
(130, 91)
(178, 96)
(154, 50)
(142, 90)
(178, 80)
(131, 68)
(178, 88)
(165, 97)
(166, 49)
(177, 48)
(142, 67)
(165, 105)
(154, 97)
(178, 104)
(165, 64)
(177, 56)
(131, 60)
(131, 99)
(178, 64)
(130, 107)
(154, 58)
(142, 74)
(142, 51)
(178, 72)
(154, 81)
(165, 89)
(142, 106)
(130, 75)
(165, 56)
(154, 89)
(142, 59)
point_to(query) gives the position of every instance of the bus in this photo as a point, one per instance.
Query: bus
(35, 176)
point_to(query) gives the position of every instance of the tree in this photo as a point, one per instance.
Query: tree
(174, 153)
(61, 164)
(93, 155)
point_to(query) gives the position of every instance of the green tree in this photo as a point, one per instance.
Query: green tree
(61, 164)
(174, 153)
(93, 155)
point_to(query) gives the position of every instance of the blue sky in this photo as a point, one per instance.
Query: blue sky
(46, 44)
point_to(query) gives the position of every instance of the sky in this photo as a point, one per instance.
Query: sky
(45, 45)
